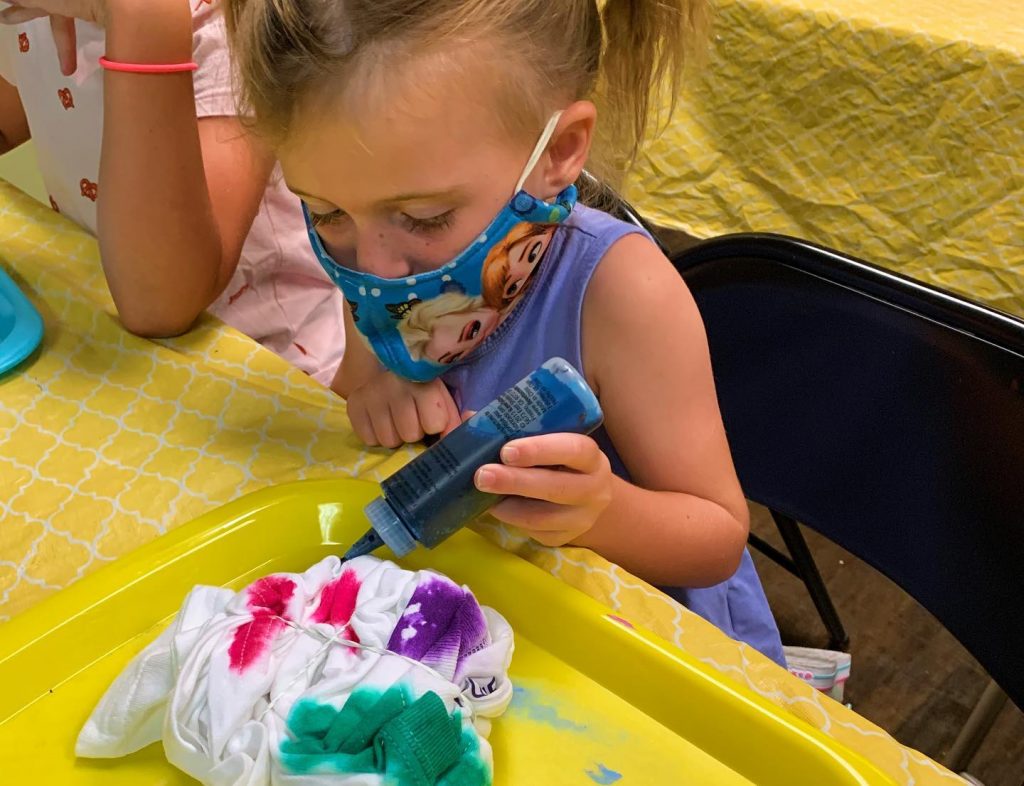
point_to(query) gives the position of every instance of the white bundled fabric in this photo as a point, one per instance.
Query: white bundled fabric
(237, 678)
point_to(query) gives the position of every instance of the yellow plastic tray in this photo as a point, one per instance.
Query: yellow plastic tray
(596, 701)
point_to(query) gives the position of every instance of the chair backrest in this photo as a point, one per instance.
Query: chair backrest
(609, 200)
(883, 413)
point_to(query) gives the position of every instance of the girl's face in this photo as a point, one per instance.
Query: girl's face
(404, 189)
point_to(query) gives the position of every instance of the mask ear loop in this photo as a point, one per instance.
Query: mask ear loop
(538, 150)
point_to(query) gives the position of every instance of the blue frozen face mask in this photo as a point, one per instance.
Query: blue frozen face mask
(419, 326)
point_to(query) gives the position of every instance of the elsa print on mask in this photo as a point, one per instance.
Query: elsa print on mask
(446, 328)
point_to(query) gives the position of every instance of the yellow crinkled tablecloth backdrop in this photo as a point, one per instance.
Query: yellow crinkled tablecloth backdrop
(108, 440)
(893, 131)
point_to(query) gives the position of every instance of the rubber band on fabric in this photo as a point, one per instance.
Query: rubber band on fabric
(148, 68)
(338, 639)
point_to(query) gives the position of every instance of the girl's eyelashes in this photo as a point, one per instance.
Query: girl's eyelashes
(325, 219)
(433, 224)
(410, 223)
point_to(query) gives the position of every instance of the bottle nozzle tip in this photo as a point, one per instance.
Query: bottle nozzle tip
(369, 542)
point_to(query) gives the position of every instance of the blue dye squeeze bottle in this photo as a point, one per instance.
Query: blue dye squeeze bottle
(434, 496)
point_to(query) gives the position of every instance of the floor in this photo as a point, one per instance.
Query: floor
(909, 675)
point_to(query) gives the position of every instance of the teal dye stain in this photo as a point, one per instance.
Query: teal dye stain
(470, 770)
(603, 775)
(528, 702)
(411, 742)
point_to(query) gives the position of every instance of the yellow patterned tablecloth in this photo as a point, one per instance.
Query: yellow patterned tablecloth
(108, 440)
(893, 131)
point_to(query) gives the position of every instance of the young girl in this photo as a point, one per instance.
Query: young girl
(406, 127)
(184, 202)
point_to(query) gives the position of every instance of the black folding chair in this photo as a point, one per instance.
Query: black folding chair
(599, 194)
(888, 416)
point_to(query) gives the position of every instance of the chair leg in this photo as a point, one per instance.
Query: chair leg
(977, 726)
(774, 554)
(808, 573)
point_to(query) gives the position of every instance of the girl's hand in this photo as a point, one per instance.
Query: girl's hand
(559, 485)
(388, 410)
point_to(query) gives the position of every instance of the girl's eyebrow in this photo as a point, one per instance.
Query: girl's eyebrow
(412, 196)
(419, 196)
(302, 194)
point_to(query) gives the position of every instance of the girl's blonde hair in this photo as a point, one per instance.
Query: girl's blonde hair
(416, 328)
(550, 51)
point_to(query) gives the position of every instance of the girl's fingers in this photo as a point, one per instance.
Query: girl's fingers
(455, 419)
(383, 427)
(550, 485)
(552, 525)
(64, 37)
(435, 407)
(576, 451)
(362, 425)
(534, 515)
(406, 418)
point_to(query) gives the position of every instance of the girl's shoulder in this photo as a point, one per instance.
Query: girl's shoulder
(596, 238)
(616, 250)
(633, 291)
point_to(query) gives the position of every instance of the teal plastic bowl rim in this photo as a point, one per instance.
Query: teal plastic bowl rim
(28, 326)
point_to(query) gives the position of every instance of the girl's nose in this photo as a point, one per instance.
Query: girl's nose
(376, 256)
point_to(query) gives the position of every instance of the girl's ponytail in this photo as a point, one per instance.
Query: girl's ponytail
(647, 44)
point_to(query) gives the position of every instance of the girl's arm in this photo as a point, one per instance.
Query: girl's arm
(683, 520)
(178, 194)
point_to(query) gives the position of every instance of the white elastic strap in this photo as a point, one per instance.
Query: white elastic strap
(538, 151)
(337, 639)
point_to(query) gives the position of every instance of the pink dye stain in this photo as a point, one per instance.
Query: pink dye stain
(338, 602)
(268, 601)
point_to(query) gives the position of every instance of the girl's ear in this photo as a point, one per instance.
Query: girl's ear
(568, 149)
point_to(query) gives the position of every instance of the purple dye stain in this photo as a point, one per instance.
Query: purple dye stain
(441, 624)
(603, 775)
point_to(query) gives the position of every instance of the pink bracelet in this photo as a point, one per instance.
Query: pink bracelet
(147, 68)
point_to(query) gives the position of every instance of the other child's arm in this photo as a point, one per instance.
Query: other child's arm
(13, 125)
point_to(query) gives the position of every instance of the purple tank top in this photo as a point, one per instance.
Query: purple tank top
(547, 323)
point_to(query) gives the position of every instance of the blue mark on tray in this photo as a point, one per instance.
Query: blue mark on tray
(531, 704)
(603, 775)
